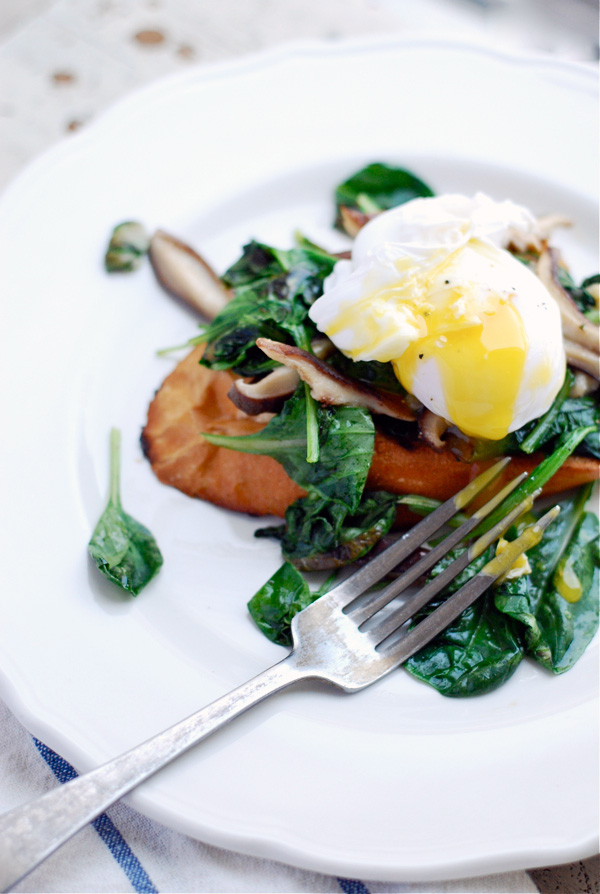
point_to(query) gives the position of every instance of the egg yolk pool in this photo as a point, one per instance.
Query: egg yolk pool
(469, 329)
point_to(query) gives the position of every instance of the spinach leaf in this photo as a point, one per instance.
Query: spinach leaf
(123, 549)
(371, 372)
(320, 534)
(538, 477)
(278, 600)
(565, 562)
(478, 652)
(273, 294)
(584, 300)
(570, 623)
(346, 442)
(128, 244)
(564, 416)
(377, 187)
(258, 261)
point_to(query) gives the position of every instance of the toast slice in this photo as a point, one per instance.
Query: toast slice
(193, 400)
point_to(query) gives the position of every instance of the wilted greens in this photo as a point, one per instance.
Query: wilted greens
(549, 616)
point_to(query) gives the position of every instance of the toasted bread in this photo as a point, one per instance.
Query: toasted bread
(193, 400)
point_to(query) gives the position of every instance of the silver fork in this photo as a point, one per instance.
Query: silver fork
(343, 637)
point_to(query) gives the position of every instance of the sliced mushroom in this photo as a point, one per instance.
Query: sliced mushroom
(187, 276)
(352, 219)
(329, 386)
(267, 395)
(525, 243)
(576, 326)
(547, 223)
(582, 358)
(431, 428)
(583, 384)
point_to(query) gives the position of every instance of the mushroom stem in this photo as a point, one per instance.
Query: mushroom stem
(329, 386)
(183, 273)
(576, 326)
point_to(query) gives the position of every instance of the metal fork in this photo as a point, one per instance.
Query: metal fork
(343, 637)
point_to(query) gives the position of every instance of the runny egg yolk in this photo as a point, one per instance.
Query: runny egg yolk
(480, 403)
(455, 335)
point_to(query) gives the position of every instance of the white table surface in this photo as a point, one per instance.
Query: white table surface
(63, 61)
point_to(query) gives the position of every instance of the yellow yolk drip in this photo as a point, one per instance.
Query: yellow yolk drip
(567, 583)
(480, 364)
(453, 328)
(518, 569)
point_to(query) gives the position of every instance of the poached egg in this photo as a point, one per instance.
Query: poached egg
(470, 330)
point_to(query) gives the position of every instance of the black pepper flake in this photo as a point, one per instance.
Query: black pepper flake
(420, 356)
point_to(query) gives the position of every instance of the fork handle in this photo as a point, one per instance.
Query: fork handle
(30, 833)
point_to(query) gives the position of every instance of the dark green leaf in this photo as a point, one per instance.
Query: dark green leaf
(346, 442)
(123, 549)
(273, 294)
(540, 475)
(258, 261)
(371, 372)
(379, 186)
(320, 534)
(584, 300)
(476, 654)
(275, 604)
(571, 625)
(557, 631)
(564, 416)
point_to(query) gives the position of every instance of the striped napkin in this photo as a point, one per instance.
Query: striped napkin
(124, 851)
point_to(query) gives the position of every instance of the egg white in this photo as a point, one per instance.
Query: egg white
(440, 262)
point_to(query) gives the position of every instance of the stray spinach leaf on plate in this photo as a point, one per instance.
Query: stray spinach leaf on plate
(123, 549)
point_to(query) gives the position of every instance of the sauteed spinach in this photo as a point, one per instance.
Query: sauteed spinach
(544, 615)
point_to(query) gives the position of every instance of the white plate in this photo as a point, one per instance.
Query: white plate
(395, 782)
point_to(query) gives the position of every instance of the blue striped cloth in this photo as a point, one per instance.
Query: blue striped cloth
(123, 851)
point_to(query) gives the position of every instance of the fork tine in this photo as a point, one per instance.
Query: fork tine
(365, 610)
(379, 565)
(455, 605)
(387, 626)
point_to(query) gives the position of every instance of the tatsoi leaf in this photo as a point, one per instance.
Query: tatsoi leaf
(378, 187)
(275, 604)
(123, 549)
(346, 442)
